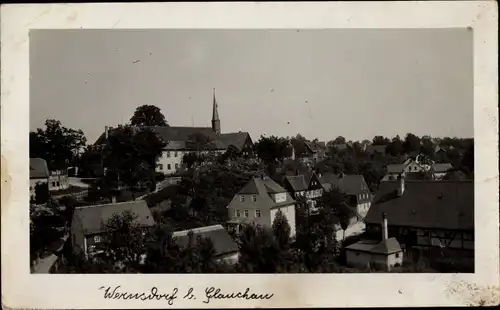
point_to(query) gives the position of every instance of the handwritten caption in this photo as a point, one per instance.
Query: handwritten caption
(209, 294)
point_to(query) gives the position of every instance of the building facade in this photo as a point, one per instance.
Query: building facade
(258, 202)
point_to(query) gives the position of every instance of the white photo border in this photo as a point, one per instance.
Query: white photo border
(21, 289)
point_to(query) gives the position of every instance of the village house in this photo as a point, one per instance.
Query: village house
(374, 254)
(354, 186)
(182, 140)
(225, 248)
(88, 223)
(315, 152)
(440, 170)
(394, 171)
(258, 202)
(40, 174)
(58, 180)
(426, 214)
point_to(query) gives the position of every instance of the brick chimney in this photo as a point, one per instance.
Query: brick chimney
(385, 231)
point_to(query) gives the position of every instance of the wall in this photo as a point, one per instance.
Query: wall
(58, 182)
(363, 259)
(170, 157)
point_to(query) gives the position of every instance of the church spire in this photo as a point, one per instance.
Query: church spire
(215, 116)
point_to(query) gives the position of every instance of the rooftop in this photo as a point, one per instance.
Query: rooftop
(425, 204)
(92, 218)
(387, 247)
(221, 240)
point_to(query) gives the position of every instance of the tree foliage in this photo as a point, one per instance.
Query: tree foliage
(272, 149)
(130, 155)
(56, 144)
(148, 115)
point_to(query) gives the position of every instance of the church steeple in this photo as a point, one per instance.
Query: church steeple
(215, 116)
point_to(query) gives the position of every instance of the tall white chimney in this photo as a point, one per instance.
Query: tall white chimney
(401, 188)
(385, 232)
(106, 129)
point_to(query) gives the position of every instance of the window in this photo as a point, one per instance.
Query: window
(175, 154)
(242, 198)
(168, 166)
(238, 214)
(257, 213)
(397, 255)
(54, 184)
(254, 198)
(176, 166)
(168, 154)
(245, 213)
(160, 166)
(58, 183)
(97, 239)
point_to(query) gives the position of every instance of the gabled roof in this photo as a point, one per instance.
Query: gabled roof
(221, 240)
(387, 246)
(236, 139)
(92, 218)
(38, 168)
(297, 182)
(425, 204)
(315, 146)
(353, 184)
(177, 138)
(262, 188)
(441, 167)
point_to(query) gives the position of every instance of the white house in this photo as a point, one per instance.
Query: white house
(258, 202)
(385, 254)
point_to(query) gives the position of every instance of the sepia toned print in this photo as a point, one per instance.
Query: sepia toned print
(241, 191)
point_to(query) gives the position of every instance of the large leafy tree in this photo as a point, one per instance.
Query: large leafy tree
(272, 149)
(380, 140)
(411, 143)
(57, 144)
(148, 115)
(299, 144)
(130, 155)
(281, 230)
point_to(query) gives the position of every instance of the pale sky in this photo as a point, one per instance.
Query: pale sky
(320, 83)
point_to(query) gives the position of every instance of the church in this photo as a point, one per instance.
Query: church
(181, 140)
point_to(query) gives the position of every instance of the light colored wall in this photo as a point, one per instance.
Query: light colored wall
(364, 259)
(169, 158)
(58, 182)
(438, 175)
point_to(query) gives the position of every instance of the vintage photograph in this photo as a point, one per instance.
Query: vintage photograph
(251, 151)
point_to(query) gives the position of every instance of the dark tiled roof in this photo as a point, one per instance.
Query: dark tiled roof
(177, 138)
(38, 168)
(222, 241)
(91, 218)
(296, 182)
(236, 139)
(388, 246)
(395, 168)
(425, 204)
(262, 189)
(441, 167)
(349, 184)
